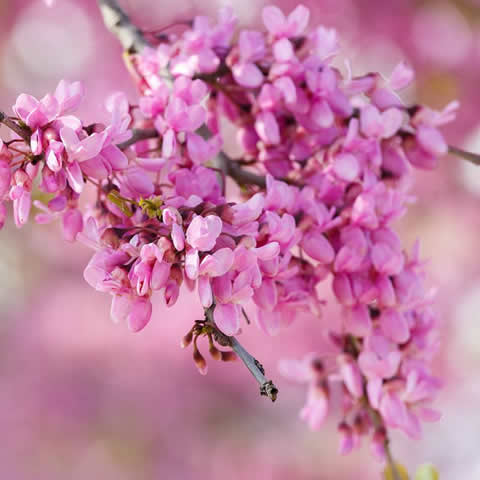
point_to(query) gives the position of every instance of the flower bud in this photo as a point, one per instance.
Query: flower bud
(200, 362)
(187, 339)
(229, 356)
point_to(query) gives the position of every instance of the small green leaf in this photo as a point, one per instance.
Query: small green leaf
(151, 206)
(401, 470)
(120, 202)
(427, 472)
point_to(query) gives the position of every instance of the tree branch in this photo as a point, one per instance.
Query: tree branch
(138, 136)
(118, 22)
(267, 387)
(469, 156)
(8, 122)
(132, 39)
(240, 175)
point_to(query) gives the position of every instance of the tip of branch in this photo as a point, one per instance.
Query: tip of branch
(268, 389)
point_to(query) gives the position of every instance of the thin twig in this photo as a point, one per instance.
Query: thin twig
(8, 122)
(234, 170)
(391, 461)
(118, 22)
(378, 423)
(267, 387)
(469, 156)
(137, 136)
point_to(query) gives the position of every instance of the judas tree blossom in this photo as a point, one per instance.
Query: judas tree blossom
(324, 170)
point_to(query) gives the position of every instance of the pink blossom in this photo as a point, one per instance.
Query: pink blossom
(227, 318)
(279, 25)
(202, 233)
(136, 311)
(72, 224)
(317, 246)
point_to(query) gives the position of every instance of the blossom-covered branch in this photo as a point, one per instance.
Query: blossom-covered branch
(325, 167)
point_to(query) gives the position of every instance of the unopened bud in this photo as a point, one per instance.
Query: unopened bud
(317, 367)
(200, 361)
(346, 438)
(361, 423)
(229, 356)
(172, 291)
(176, 274)
(378, 443)
(187, 339)
(215, 352)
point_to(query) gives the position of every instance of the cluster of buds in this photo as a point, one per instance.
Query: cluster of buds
(202, 328)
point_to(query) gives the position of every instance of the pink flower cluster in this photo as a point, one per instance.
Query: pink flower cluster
(327, 160)
(344, 147)
(61, 152)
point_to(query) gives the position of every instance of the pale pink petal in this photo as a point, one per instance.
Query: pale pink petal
(395, 326)
(351, 376)
(178, 237)
(317, 246)
(227, 318)
(401, 77)
(283, 50)
(192, 261)
(298, 20)
(267, 128)
(160, 275)
(75, 177)
(357, 320)
(247, 75)
(371, 122)
(205, 292)
(392, 120)
(273, 19)
(266, 296)
(374, 391)
(268, 252)
(431, 140)
(346, 167)
(140, 314)
(72, 224)
(121, 307)
(202, 233)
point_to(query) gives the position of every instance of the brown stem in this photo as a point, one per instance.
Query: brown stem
(267, 387)
(138, 136)
(234, 170)
(391, 461)
(8, 122)
(469, 156)
(378, 423)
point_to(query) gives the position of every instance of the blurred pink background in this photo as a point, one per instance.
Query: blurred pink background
(82, 398)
